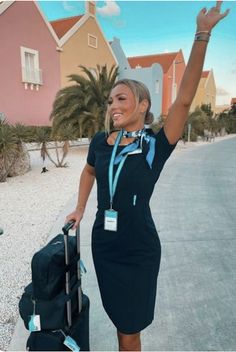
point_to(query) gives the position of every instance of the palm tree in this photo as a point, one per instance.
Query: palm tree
(83, 105)
(8, 149)
(23, 133)
(22, 164)
(42, 137)
(64, 136)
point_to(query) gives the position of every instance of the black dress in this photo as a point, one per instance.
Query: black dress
(127, 261)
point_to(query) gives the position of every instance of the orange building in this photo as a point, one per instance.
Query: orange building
(173, 66)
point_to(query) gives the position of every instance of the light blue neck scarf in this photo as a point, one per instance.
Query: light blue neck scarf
(141, 136)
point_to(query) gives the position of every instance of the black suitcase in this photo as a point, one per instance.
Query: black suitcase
(48, 267)
(75, 334)
(53, 340)
(52, 312)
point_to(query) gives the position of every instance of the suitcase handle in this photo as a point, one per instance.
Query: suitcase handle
(65, 230)
(67, 227)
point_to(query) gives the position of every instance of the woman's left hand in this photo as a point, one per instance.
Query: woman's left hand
(206, 20)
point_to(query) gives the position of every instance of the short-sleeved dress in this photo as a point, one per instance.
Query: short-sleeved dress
(127, 261)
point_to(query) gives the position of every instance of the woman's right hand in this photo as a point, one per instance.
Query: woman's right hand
(76, 216)
(206, 20)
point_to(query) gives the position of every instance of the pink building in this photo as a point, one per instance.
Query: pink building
(30, 66)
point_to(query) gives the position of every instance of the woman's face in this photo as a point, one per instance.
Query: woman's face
(121, 107)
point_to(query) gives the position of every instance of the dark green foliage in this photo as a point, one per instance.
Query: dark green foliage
(228, 121)
(233, 110)
(157, 125)
(207, 109)
(202, 122)
(8, 139)
(9, 149)
(83, 105)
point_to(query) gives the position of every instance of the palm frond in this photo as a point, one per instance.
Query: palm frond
(83, 105)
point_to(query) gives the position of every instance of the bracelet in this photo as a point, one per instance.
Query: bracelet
(202, 37)
(206, 32)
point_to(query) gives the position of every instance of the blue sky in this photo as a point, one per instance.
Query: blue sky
(150, 27)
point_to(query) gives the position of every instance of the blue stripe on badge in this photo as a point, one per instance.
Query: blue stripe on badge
(111, 214)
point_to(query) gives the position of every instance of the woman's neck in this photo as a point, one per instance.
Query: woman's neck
(133, 128)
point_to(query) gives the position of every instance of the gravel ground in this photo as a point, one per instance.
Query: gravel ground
(29, 205)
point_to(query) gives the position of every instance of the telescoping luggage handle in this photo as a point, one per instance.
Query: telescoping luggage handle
(65, 230)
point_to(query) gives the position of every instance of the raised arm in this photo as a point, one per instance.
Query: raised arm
(178, 113)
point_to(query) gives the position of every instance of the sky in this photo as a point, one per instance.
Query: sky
(153, 27)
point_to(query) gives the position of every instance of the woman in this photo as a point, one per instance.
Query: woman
(126, 164)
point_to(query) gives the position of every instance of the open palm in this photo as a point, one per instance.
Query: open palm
(206, 20)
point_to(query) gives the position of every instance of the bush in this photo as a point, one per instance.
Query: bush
(9, 149)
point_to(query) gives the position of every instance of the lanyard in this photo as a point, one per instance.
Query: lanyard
(113, 183)
(121, 157)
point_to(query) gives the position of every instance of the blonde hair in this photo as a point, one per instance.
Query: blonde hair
(140, 92)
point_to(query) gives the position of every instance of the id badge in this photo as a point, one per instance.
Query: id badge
(34, 323)
(111, 219)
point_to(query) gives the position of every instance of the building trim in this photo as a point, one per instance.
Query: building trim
(108, 45)
(73, 30)
(4, 6)
(48, 24)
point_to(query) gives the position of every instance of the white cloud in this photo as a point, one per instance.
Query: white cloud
(110, 9)
(118, 23)
(67, 7)
(221, 92)
(233, 72)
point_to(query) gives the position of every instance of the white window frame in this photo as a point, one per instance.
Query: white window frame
(90, 36)
(36, 77)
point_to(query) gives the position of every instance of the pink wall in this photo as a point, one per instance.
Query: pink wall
(22, 25)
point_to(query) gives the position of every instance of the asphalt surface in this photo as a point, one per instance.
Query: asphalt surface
(194, 208)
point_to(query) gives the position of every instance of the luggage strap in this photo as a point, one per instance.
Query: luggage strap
(76, 258)
(68, 296)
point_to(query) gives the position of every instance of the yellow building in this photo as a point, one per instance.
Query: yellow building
(206, 91)
(81, 42)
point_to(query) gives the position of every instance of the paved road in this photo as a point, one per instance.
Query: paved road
(194, 207)
(195, 211)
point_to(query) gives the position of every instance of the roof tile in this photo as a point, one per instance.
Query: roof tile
(205, 74)
(63, 25)
(165, 60)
